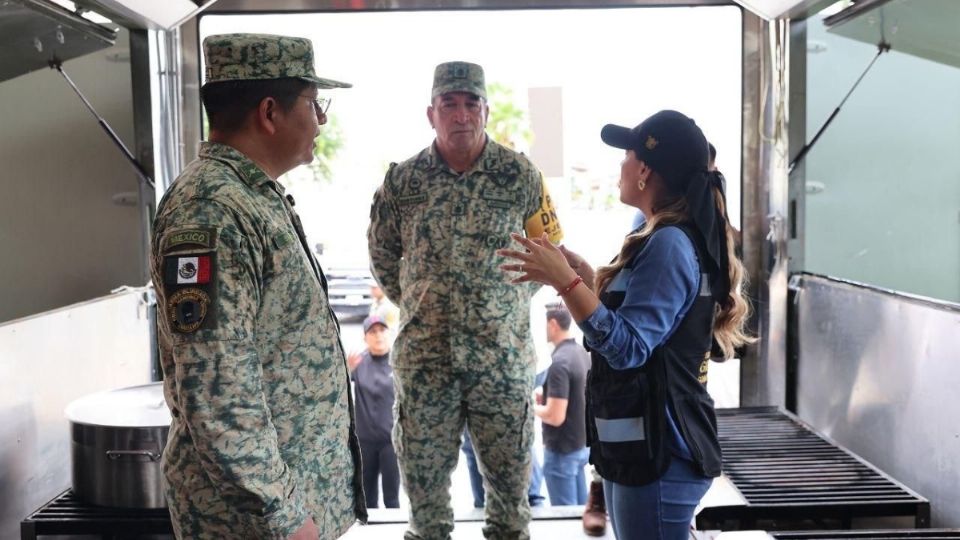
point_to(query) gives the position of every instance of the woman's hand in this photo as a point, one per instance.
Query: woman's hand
(574, 260)
(579, 265)
(541, 262)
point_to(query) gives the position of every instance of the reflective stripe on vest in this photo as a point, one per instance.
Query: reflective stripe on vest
(620, 429)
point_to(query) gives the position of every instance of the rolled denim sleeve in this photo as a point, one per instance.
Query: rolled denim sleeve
(659, 290)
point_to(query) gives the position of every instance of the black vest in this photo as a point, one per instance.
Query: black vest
(627, 427)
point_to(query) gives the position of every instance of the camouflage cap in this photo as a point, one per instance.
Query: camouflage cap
(245, 57)
(458, 77)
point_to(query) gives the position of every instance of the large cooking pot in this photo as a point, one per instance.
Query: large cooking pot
(117, 440)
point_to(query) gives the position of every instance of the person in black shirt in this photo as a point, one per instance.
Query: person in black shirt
(373, 383)
(565, 451)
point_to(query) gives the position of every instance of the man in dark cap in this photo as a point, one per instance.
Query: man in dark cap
(262, 441)
(464, 355)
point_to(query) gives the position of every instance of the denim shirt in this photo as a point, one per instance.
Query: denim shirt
(660, 288)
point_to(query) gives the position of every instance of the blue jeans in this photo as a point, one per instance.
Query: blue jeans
(660, 510)
(566, 481)
(476, 479)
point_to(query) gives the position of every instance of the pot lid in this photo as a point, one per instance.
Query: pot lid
(136, 406)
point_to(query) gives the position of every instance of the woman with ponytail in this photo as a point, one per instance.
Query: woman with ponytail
(649, 319)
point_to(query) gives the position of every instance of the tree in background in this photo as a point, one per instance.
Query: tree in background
(508, 123)
(329, 143)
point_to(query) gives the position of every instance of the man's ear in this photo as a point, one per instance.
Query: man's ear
(430, 115)
(266, 115)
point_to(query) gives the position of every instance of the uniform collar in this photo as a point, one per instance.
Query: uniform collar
(490, 159)
(246, 169)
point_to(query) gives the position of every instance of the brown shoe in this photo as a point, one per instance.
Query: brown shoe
(595, 511)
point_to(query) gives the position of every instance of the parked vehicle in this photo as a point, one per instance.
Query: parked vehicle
(349, 292)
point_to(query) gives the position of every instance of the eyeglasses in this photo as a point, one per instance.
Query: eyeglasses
(320, 104)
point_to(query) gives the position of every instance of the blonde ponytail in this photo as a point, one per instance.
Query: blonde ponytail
(730, 320)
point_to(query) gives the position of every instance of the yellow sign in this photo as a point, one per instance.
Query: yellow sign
(544, 220)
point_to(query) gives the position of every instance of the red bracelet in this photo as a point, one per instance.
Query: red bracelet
(576, 281)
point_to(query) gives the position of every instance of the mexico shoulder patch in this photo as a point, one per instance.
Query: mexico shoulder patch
(201, 237)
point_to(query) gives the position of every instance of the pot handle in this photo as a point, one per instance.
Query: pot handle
(117, 454)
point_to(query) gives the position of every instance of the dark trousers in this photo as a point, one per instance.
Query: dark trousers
(380, 461)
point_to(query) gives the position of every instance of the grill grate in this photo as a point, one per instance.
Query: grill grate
(65, 514)
(785, 470)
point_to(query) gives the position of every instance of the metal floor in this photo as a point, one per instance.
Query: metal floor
(553, 523)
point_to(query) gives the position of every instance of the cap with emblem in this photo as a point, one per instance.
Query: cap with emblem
(248, 57)
(458, 77)
(673, 145)
(370, 321)
(669, 142)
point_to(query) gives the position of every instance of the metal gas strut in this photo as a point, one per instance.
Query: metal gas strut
(56, 64)
(882, 47)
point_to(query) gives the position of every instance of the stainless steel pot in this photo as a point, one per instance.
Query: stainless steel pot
(117, 440)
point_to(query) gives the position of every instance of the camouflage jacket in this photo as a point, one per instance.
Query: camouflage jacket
(254, 373)
(432, 237)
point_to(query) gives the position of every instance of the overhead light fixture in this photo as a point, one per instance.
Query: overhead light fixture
(784, 9)
(153, 14)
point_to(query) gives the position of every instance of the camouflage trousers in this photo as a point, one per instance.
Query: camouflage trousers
(432, 406)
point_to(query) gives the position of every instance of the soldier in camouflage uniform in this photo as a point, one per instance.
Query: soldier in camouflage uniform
(464, 354)
(262, 442)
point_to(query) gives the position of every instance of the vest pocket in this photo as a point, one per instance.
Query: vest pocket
(621, 415)
(698, 423)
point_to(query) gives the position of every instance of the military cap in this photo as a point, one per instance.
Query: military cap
(246, 57)
(458, 77)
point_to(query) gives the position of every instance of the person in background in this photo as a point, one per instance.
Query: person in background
(385, 309)
(649, 319)
(373, 385)
(464, 356)
(262, 440)
(564, 429)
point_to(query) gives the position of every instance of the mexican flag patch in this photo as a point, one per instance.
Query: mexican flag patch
(187, 270)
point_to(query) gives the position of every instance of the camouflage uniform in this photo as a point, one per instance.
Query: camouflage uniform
(464, 353)
(262, 434)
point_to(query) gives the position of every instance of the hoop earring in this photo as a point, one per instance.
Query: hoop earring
(641, 185)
